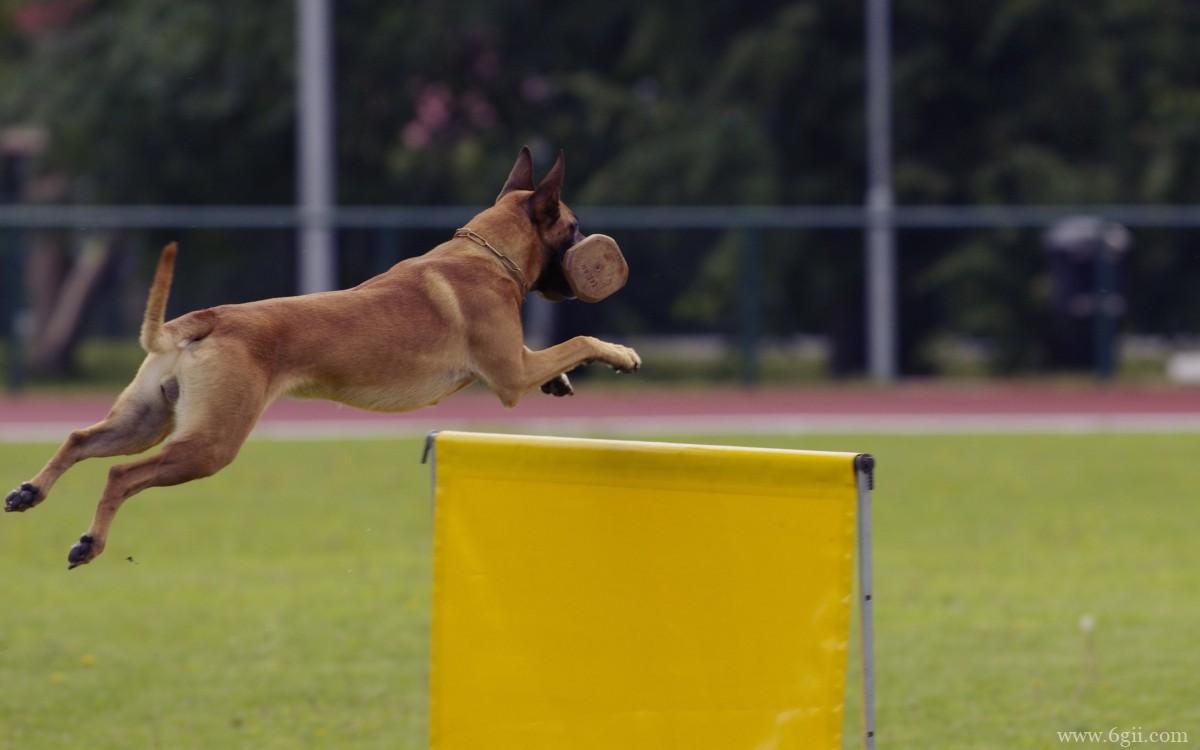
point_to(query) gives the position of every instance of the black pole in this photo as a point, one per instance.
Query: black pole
(10, 312)
(1105, 300)
(11, 169)
(751, 306)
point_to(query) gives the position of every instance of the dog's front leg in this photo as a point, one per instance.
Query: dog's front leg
(510, 378)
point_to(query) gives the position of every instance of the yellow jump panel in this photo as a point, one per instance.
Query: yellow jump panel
(604, 595)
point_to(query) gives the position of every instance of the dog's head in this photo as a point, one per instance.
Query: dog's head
(554, 222)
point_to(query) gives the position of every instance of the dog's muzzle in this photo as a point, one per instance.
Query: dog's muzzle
(595, 267)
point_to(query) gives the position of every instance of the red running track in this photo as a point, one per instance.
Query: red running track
(921, 407)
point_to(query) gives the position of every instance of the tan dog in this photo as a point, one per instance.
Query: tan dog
(407, 338)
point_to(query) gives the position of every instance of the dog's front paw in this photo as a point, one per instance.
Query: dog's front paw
(23, 498)
(625, 359)
(84, 551)
(560, 386)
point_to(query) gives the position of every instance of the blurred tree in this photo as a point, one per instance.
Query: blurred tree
(141, 102)
(152, 101)
(1004, 101)
(1027, 103)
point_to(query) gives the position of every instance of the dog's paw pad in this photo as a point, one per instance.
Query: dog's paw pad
(22, 498)
(560, 386)
(83, 552)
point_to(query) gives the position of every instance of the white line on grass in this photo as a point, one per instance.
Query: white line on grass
(858, 424)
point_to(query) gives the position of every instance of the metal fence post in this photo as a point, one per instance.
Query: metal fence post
(881, 233)
(316, 162)
(387, 249)
(750, 278)
(10, 311)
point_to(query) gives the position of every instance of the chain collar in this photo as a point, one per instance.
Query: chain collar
(508, 262)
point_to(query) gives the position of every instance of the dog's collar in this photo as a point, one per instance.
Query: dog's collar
(508, 262)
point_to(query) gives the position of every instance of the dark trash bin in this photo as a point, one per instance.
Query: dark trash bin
(1088, 257)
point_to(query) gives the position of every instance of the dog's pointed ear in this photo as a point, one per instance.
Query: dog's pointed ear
(546, 197)
(521, 176)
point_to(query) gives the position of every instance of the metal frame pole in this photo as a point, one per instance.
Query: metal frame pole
(881, 234)
(864, 467)
(315, 157)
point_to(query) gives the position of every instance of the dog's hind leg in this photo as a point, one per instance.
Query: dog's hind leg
(213, 419)
(141, 418)
(181, 460)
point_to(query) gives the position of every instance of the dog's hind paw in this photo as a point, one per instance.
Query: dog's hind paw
(84, 551)
(560, 386)
(23, 498)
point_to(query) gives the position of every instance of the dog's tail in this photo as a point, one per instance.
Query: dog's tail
(153, 339)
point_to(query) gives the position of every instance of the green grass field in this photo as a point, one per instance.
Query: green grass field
(284, 603)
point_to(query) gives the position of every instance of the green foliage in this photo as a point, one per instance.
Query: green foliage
(1025, 103)
(158, 102)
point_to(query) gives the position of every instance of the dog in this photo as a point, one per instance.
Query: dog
(427, 327)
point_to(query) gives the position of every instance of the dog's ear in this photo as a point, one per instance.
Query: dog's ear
(545, 201)
(521, 176)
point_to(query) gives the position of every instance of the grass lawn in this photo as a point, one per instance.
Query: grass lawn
(284, 602)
